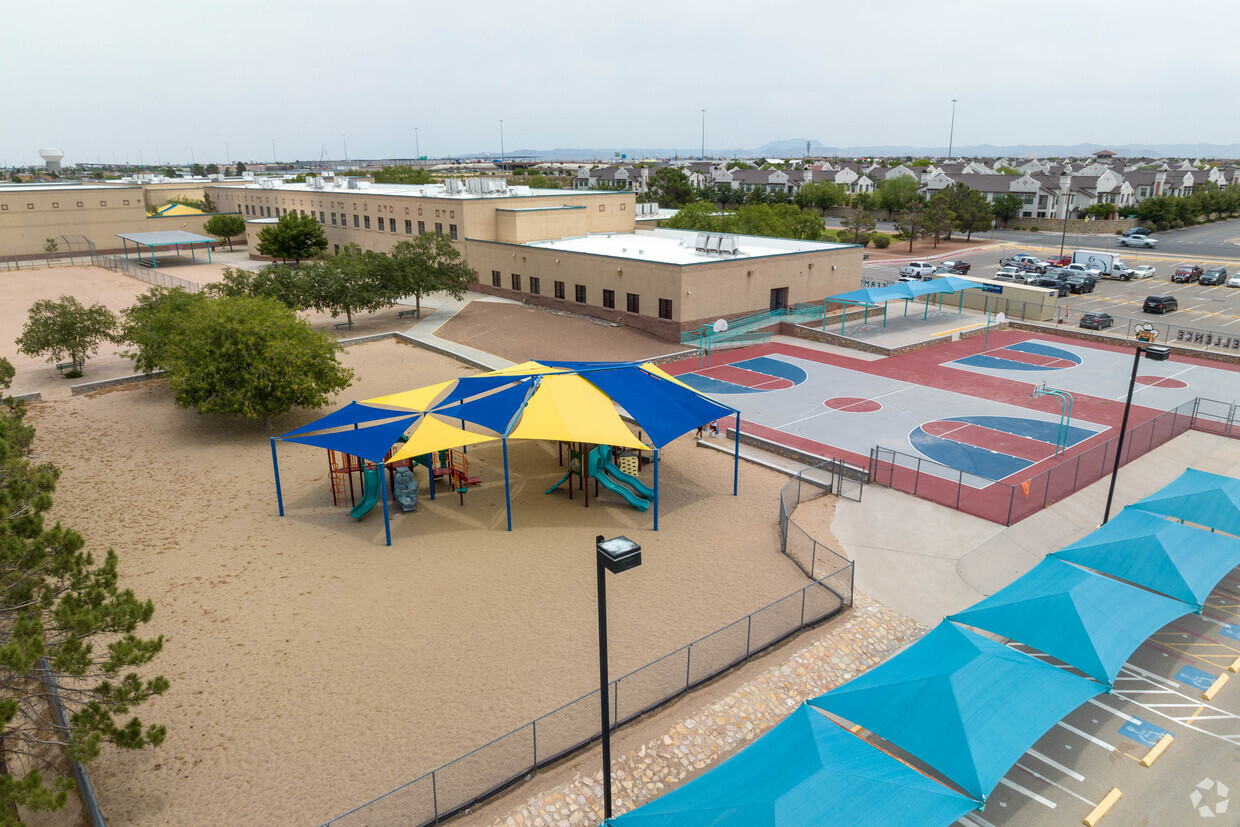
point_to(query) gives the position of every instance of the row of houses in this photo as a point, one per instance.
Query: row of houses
(1042, 186)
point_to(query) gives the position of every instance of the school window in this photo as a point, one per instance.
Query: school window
(101, 203)
(559, 289)
(452, 214)
(535, 286)
(609, 299)
(322, 218)
(580, 291)
(452, 231)
(355, 220)
(601, 207)
(408, 227)
(79, 203)
(380, 224)
(421, 228)
(337, 250)
(634, 303)
(516, 281)
(438, 228)
(366, 222)
(495, 278)
(333, 219)
(665, 308)
(391, 225)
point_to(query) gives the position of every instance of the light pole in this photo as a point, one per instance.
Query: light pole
(703, 134)
(417, 148)
(1158, 353)
(615, 555)
(501, 142)
(1063, 237)
(952, 133)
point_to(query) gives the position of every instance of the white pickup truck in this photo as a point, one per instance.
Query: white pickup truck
(920, 269)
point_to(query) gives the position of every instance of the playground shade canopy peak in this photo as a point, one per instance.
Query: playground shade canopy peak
(1211, 500)
(371, 443)
(806, 771)
(1086, 620)
(967, 706)
(1179, 561)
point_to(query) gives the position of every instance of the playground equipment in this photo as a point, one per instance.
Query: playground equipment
(405, 489)
(370, 492)
(606, 474)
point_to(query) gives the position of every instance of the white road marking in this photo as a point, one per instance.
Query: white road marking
(971, 819)
(1115, 712)
(1086, 736)
(1050, 763)
(1046, 802)
(1046, 780)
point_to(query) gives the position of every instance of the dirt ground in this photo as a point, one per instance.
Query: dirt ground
(312, 666)
(518, 333)
(925, 248)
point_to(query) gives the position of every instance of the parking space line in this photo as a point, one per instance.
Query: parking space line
(1046, 802)
(971, 819)
(1087, 737)
(1046, 780)
(1115, 712)
(1050, 763)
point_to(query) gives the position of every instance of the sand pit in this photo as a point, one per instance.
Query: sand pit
(314, 668)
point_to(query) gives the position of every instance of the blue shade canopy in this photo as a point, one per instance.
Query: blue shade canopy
(1211, 500)
(664, 410)
(494, 411)
(904, 290)
(371, 443)
(354, 413)
(964, 704)
(1177, 560)
(469, 386)
(1085, 619)
(806, 771)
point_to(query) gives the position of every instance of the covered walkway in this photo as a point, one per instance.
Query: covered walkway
(869, 297)
(163, 239)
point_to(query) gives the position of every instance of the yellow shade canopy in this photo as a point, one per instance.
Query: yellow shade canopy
(432, 434)
(418, 399)
(567, 408)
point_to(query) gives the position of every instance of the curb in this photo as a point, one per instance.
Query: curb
(87, 387)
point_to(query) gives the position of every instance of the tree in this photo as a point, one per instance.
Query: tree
(197, 170)
(50, 246)
(213, 169)
(909, 225)
(284, 283)
(898, 193)
(539, 181)
(250, 357)
(937, 218)
(1004, 169)
(703, 216)
(225, 226)
(864, 201)
(66, 328)
(860, 222)
(427, 264)
(151, 322)
(403, 175)
(351, 281)
(208, 204)
(62, 611)
(240, 168)
(1007, 206)
(294, 236)
(969, 207)
(670, 186)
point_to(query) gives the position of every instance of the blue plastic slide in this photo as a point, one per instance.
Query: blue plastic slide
(370, 493)
(600, 472)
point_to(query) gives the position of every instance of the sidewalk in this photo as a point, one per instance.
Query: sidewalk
(423, 332)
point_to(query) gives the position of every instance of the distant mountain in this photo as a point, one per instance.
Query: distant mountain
(795, 148)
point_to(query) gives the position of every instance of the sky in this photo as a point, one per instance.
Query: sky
(220, 81)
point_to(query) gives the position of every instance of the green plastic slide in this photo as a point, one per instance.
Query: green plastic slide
(370, 493)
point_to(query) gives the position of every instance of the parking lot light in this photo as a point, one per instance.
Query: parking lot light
(1157, 353)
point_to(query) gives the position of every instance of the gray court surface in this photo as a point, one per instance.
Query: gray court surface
(799, 411)
(1105, 374)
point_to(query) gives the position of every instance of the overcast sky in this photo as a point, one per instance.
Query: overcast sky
(131, 79)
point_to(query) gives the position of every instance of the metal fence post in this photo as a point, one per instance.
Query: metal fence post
(688, 660)
(803, 605)
(917, 477)
(535, 725)
(748, 634)
(435, 797)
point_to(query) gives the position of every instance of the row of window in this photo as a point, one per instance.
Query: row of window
(56, 205)
(359, 222)
(632, 300)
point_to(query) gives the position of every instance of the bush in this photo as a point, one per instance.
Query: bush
(1177, 225)
(1034, 228)
(881, 240)
(830, 235)
(1160, 226)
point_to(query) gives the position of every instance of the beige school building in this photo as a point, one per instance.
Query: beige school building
(578, 251)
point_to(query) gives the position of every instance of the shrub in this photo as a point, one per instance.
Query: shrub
(830, 235)
(1034, 228)
(881, 240)
(1176, 225)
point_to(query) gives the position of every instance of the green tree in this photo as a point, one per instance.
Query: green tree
(670, 186)
(1006, 207)
(150, 324)
(403, 175)
(197, 170)
(351, 281)
(284, 283)
(426, 264)
(240, 168)
(250, 357)
(50, 246)
(60, 610)
(860, 223)
(972, 213)
(539, 181)
(66, 328)
(702, 216)
(909, 225)
(1004, 169)
(897, 194)
(213, 169)
(864, 201)
(821, 194)
(225, 226)
(937, 218)
(294, 236)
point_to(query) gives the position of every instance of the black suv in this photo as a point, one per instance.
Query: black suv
(1137, 231)
(1160, 304)
(1096, 320)
(1215, 275)
(1060, 285)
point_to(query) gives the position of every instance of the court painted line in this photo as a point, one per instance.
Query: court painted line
(831, 411)
(956, 329)
(1045, 802)
(1071, 773)
(1046, 780)
(1086, 736)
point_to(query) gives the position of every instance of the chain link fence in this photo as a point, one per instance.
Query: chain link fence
(146, 274)
(509, 759)
(1007, 503)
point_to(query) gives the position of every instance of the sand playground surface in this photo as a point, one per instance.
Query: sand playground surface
(314, 668)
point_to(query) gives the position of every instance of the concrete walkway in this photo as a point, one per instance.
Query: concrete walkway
(442, 309)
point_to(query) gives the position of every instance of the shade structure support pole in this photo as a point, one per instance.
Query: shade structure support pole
(275, 464)
(508, 487)
(383, 495)
(1123, 427)
(736, 456)
(656, 488)
(430, 469)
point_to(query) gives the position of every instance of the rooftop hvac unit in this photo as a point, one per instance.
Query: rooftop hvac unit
(727, 245)
(453, 186)
(712, 244)
(353, 184)
(317, 182)
(473, 185)
(699, 243)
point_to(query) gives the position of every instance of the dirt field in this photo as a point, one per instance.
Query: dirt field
(314, 668)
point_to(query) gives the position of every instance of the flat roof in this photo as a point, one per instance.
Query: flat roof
(165, 238)
(419, 190)
(59, 185)
(679, 246)
(543, 209)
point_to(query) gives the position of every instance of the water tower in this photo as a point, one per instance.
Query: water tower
(51, 159)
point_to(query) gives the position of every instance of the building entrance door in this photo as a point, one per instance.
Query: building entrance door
(779, 298)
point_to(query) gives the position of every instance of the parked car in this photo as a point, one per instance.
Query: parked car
(917, 268)
(1012, 274)
(1234, 281)
(1025, 261)
(1215, 275)
(945, 271)
(1097, 321)
(1160, 304)
(1080, 284)
(1059, 261)
(1187, 273)
(958, 267)
(1137, 231)
(1143, 271)
(1077, 267)
(1137, 241)
(1060, 286)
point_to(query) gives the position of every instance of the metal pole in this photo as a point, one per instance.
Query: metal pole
(383, 494)
(736, 457)
(952, 134)
(275, 464)
(1119, 446)
(604, 704)
(1063, 238)
(703, 134)
(507, 485)
(656, 487)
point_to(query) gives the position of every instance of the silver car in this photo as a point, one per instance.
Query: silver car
(1137, 241)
